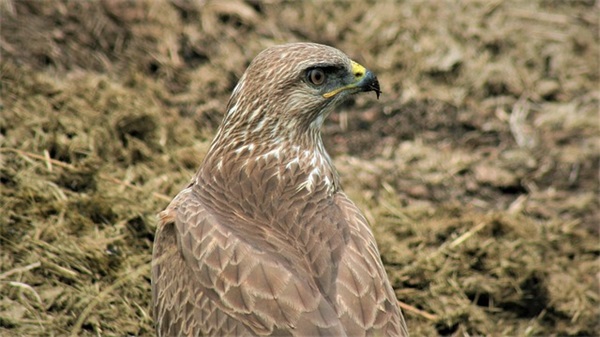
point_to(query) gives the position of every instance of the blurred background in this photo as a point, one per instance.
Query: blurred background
(477, 168)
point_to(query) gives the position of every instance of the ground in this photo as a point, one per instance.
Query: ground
(477, 168)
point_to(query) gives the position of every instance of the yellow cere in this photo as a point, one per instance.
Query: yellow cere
(359, 72)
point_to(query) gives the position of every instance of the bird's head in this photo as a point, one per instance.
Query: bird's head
(288, 90)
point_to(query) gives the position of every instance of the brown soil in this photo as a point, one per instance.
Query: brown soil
(478, 167)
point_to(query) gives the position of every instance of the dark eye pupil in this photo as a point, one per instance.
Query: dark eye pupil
(316, 76)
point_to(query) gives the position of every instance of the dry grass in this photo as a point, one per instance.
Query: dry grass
(478, 168)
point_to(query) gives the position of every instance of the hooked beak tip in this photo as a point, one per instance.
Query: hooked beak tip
(370, 83)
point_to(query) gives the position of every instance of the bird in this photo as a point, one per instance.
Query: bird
(263, 241)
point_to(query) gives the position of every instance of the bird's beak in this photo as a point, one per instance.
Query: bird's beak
(364, 80)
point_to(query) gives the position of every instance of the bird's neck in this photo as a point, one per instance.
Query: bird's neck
(273, 170)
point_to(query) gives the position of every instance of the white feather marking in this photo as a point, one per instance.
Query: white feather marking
(238, 87)
(310, 181)
(260, 125)
(275, 153)
(315, 172)
(306, 184)
(296, 161)
(255, 114)
(315, 158)
(246, 147)
(233, 109)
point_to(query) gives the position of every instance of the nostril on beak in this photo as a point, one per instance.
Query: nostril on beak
(358, 74)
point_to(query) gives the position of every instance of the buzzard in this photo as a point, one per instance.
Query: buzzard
(263, 241)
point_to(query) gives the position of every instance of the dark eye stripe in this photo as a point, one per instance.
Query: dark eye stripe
(327, 70)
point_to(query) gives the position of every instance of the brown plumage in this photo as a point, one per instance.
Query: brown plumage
(263, 241)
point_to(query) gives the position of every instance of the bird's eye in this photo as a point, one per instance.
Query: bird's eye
(316, 76)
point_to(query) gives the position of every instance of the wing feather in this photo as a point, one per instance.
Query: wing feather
(204, 273)
(366, 301)
(225, 279)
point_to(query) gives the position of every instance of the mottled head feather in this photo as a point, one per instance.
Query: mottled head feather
(273, 102)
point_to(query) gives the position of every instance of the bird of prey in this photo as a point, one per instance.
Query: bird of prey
(263, 241)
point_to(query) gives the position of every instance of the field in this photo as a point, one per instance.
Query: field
(478, 167)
